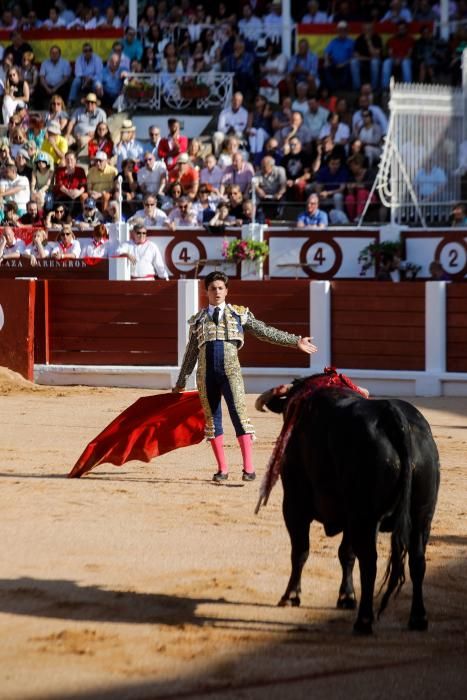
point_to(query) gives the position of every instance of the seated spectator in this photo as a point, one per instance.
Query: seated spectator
(377, 113)
(169, 200)
(331, 181)
(101, 141)
(39, 248)
(130, 189)
(242, 63)
(11, 248)
(274, 72)
(30, 74)
(366, 62)
(58, 217)
(397, 13)
(154, 134)
(281, 117)
(54, 76)
(89, 216)
(10, 215)
(36, 131)
(57, 113)
(239, 173)
(152, 179)
(88, 75)
(99, 247)
(186, 175)
(195, 153)
(18, 47)
(232, 121)
(259, 127)
(145, 257)
(399, 48)
(271, 148)
(67, 247)
(113, 76)
(427, 56)
(359, 187)
(314, 14)
(230, 147)
(70, 180)
(110, 19)
(5, 155)
(300, 103)
(15, 188)
(211, 174)
(171, 146)
(21, 162)
(16, 92)
(429, 182)
(298, 169)
(459, 216)
(235, 198)
(222, 217)
(151, 216)
(54, 20)
(182, 215)
(337, 58)
(345, 114)
(371, 136)
(101, 179)
(128, 146)
(54, 144)
(296, 128)
(313, 217)
(303, 68)
(132, 46)
(33, 216)
(84, 120)
(204, 207)
(337, 130)
(250, 26)
(251, 214)
(270, 185)
(316, 117)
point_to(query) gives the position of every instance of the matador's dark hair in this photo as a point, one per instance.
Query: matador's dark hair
(214, 277)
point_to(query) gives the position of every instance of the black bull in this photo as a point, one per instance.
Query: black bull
(359, 466)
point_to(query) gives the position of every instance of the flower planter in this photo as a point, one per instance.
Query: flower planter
(194, 92)
(135, 93)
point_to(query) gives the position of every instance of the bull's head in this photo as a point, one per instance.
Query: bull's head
(274, 399)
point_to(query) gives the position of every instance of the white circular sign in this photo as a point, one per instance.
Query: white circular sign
(2, 318)
(452, 257)
(185, 256)
(321, 257)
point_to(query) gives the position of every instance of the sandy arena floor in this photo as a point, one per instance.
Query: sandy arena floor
(150, 581)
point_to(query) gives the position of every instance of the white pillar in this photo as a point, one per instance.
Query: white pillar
(286, 28)
(188, 304)
(435, 340)
(119, 268)
(133, 13)
(320, 324)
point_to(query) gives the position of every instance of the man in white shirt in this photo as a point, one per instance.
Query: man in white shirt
(11, 248)
(144, 256)
(232, 120)
(314, 14)
(183, 215)
(151, 216)
(153, 177)
(15, 188)
(212, 174)
(250, 26)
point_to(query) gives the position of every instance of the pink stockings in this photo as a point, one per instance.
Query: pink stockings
(245, 442)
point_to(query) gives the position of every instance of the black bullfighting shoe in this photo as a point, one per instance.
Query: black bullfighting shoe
(248, 476)
(220, 476)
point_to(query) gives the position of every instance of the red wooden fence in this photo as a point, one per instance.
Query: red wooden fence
(112, 323)
(284, 305)
(378, 325)
(17, 326)
(456, 330)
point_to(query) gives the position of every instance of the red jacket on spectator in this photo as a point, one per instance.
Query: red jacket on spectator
(72, 182)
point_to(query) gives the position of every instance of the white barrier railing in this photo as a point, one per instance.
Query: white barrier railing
(178, 92)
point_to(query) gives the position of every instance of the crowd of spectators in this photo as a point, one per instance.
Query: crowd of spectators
(307, 130)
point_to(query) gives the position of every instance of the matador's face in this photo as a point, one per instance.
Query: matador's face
(217, 292)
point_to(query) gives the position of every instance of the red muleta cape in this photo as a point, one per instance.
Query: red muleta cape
(151, 426)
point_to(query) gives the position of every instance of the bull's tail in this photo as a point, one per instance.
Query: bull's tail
(395, 570)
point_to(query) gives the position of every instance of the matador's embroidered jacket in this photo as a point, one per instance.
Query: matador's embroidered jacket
(236, 320)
